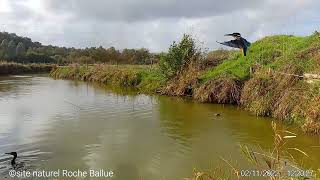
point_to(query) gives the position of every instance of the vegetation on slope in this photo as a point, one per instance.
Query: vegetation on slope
(142, 77)
(269, 52)
(17, 68)
(274, 91)
(268, 82)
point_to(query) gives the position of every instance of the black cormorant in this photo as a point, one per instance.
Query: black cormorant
(238, 42)
(13, 161)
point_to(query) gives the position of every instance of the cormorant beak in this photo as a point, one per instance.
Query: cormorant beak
(229, 35)
(7, 153)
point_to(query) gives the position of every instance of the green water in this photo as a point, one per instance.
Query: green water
(57, 124)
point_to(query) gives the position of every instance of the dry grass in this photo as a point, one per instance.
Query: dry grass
(100, 73)
(144, 78)
(290, 95)
(256, 94)
(312, 122)
(223, 90)
(276, 162)
(7, 68)
(290, 105)
(277, 159)
(187, 80)
(184, 83)
(272, 93)
(285, 97)
(198, 175)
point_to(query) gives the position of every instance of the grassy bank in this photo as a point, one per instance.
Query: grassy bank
(267, 82)
(143, 77)
(8, 68)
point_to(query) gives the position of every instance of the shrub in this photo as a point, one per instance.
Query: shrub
(179, 56)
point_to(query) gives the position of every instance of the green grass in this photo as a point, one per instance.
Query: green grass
(237, 67)
(151, 80)
(270, 52)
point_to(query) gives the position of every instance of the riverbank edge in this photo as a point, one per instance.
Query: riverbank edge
(12, 68)
(223, 90)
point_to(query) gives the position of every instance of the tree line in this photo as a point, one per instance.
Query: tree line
(24, 50)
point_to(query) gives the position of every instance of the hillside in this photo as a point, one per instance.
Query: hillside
(276, 86)
(273, 52)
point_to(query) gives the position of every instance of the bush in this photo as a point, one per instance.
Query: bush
(179, 56)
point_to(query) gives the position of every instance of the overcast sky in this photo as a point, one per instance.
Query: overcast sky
(154, 24)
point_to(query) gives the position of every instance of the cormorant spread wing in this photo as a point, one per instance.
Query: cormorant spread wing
(239, 42)
(232, 43)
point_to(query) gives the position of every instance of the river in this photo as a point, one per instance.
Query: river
(60, 124)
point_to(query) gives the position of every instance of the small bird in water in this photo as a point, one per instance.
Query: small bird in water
(13, 161)
(238, 42)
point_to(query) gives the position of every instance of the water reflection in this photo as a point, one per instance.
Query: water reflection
(56, 124)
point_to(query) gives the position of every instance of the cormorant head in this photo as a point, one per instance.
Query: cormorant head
(13, 154)
(235, 35)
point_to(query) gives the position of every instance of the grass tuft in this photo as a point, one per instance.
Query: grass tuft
(223, 90)
(312, 123)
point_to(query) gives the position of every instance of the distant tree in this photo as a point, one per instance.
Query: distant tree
(4, 49)
(27, 42)
(73, 56)
(135, 56)
(20, 49)
(86, 60)
(11, 49)
(37, 44)
(58, 59)
(100, 54)
(127, 56)
(154, 58)
(14, 47)
(30, 51)
(113, 55)
(142, 56)
(4, 44)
